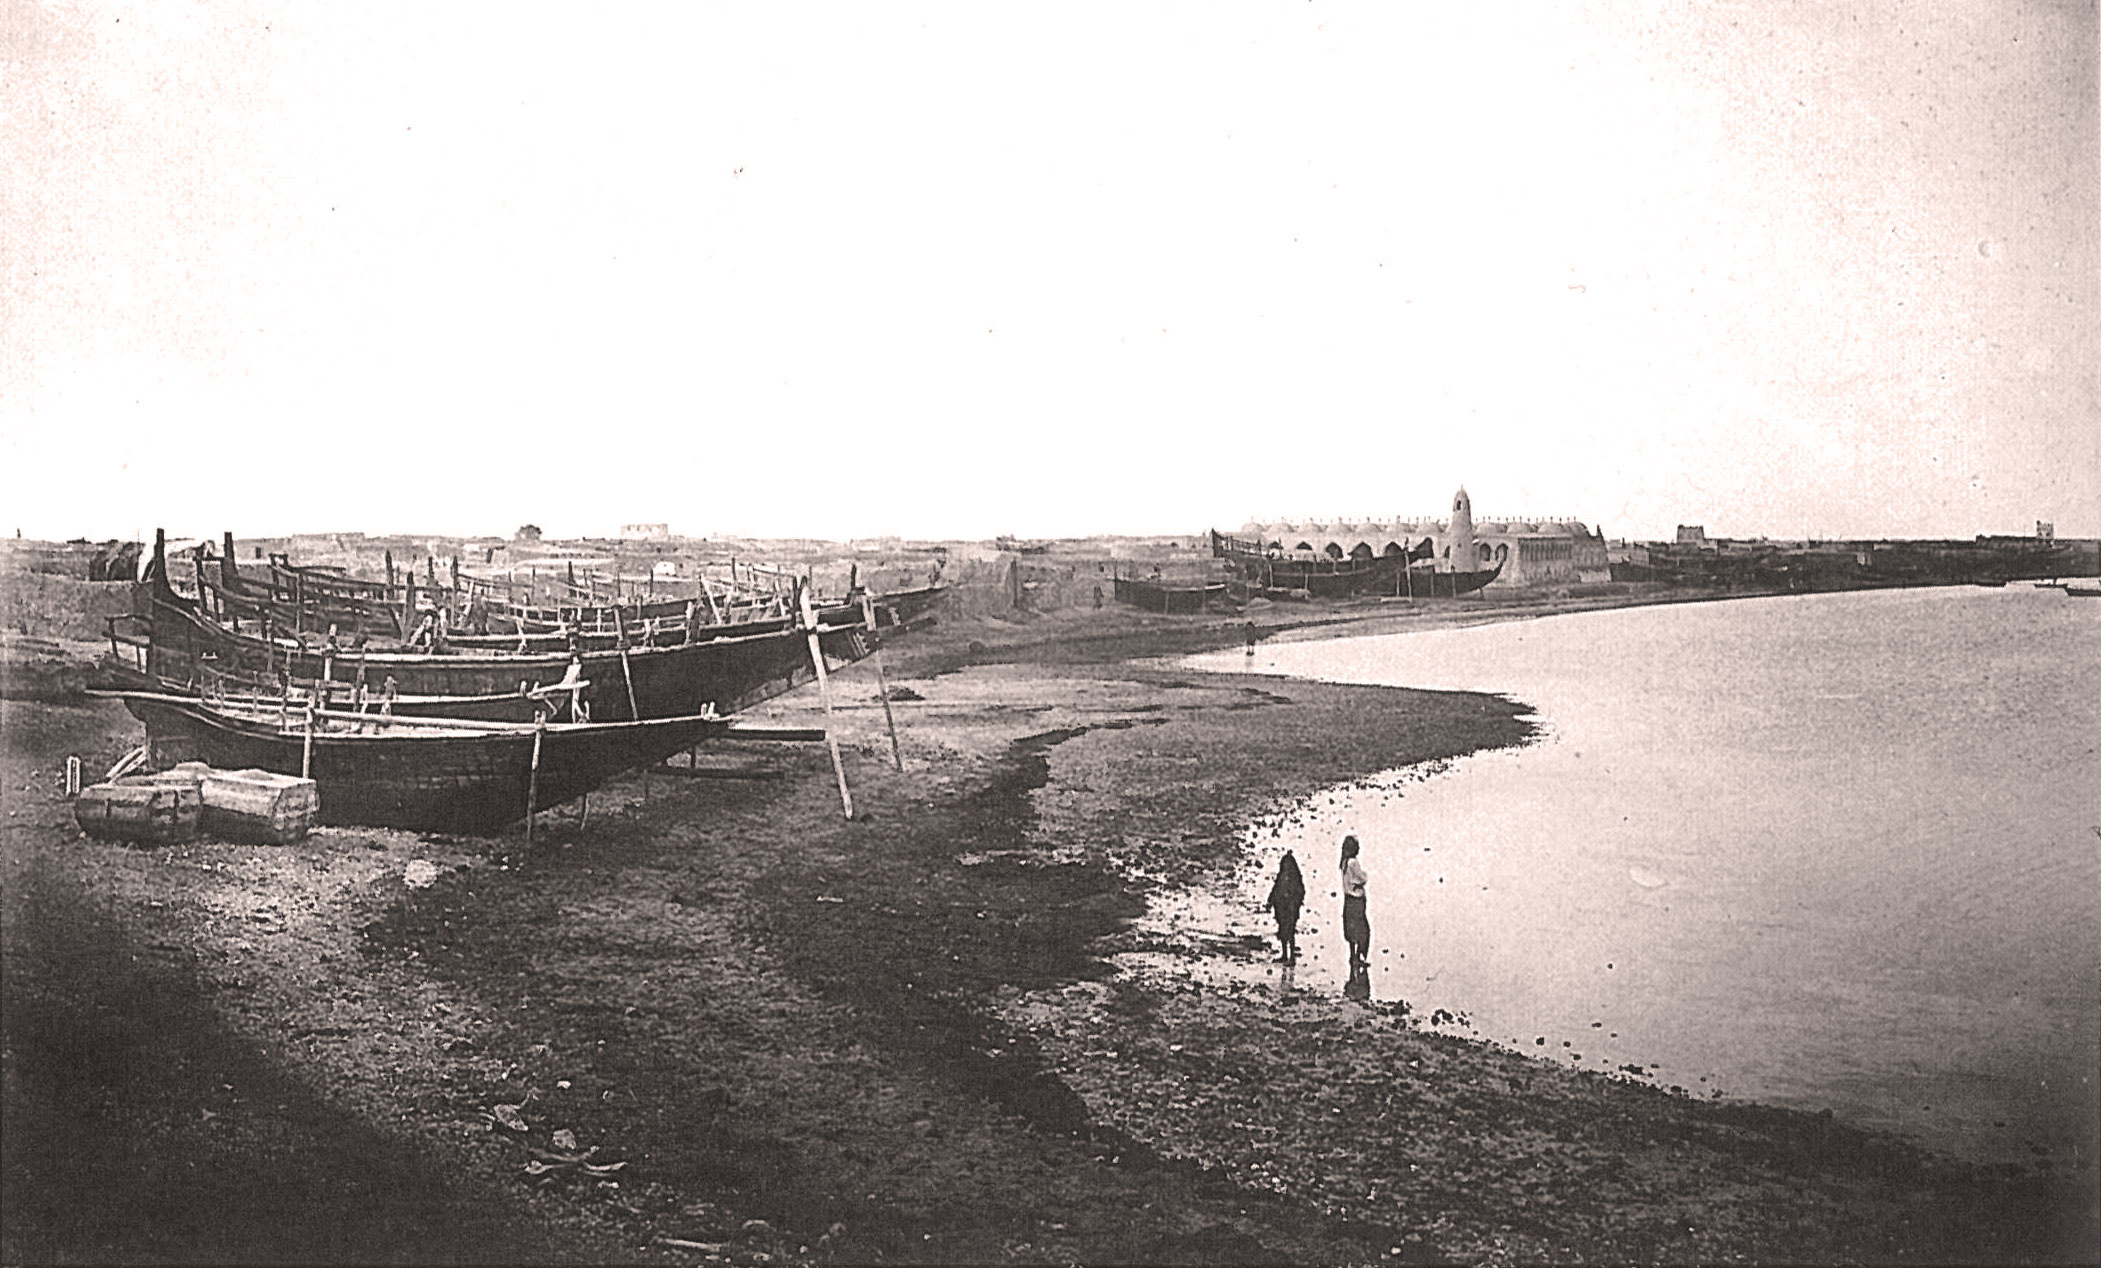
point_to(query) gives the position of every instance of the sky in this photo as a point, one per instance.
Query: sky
(958, 270)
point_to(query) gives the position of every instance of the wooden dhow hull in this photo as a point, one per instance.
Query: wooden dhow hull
(303, 598)
(115, 675)
(1167, 597)
(299, 601)
(424, 780)
(311, 599)
(726, 672)
(723, 667)
(908, 607)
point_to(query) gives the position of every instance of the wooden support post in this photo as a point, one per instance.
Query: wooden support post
(627, 675)
(532, 782)
(824, 692)
(882, 682)
(306, 750)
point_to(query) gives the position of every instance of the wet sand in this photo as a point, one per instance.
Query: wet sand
(945, 1031)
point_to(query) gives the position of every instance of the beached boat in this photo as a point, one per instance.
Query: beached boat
(298, 599)
(907, 607)
(727, 671)
(316, 596)
(468, 613)
(1327, 577)
(560, 702)
(723, 667)
(1172, 597)
(426, 775)
(243, 608)
(484, 613)
(563, 603)
(289, 598)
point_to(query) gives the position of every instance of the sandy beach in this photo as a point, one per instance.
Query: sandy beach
(985, 1020)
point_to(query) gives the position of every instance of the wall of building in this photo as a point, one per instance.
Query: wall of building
(1535, 552)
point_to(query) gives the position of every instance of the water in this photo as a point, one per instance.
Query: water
(1833, 851)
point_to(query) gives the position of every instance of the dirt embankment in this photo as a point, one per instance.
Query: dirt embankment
(793, 1037)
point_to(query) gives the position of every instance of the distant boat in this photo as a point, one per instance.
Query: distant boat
(425, 775)
(2082, 592)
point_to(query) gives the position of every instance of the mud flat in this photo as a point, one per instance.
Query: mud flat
(946, 1031)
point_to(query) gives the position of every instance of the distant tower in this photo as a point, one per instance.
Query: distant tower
(1465, 555)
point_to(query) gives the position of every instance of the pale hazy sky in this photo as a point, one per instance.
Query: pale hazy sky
(959, 270)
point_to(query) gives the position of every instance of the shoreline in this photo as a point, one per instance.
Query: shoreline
(899, 1038)
(1805, 1054)
(1180, 974)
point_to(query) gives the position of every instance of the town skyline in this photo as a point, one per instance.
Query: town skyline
(621, 533)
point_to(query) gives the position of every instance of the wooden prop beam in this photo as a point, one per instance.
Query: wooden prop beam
(882, 683)
(824, 692)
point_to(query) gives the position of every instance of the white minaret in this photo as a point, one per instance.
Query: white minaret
(1465, 556)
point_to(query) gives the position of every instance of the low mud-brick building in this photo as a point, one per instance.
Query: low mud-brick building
(1534, 552)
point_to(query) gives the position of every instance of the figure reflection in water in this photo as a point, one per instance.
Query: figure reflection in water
(1359, 985)
(1286, 895)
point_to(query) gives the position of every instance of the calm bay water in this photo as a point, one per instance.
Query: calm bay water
(1833, 851)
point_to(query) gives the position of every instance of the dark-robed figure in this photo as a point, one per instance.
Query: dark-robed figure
(1286, 895)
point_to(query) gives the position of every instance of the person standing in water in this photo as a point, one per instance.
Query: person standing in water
(1356, 925)
(1286, 895)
